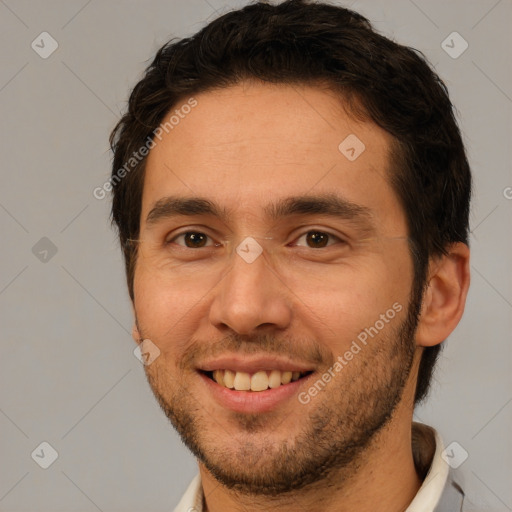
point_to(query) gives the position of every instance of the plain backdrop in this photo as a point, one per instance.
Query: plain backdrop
(68, 375)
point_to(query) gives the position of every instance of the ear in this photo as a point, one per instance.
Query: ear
(135, 333)
(135, 329)
(445, 297)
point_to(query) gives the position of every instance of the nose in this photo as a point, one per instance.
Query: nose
(250, 297)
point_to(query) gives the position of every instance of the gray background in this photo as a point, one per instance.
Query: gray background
(68, 375)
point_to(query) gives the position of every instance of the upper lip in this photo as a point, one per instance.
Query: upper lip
(253, 364)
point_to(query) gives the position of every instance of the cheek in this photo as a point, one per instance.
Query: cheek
(340, 315)
(362, 285)
(166, 311)
(345, 301)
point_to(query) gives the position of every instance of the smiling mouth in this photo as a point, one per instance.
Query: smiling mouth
(258, 381)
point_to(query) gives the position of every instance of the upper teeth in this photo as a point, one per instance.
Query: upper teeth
(259, 381)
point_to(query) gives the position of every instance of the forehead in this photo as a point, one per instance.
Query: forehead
(248, 144)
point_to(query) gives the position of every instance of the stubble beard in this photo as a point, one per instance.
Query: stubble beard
(338, 426)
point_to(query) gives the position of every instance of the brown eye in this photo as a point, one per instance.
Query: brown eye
(318, 239)
(192, 239)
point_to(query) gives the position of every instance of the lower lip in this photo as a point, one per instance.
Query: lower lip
(252, 401)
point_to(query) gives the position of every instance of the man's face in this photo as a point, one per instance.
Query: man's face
(310, 285)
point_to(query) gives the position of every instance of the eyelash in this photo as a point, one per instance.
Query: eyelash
(317, 231)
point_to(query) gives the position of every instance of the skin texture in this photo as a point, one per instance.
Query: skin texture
(349, 448)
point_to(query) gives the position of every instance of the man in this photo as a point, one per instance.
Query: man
(292, 196)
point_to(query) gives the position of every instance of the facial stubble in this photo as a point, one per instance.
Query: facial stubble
(338, 425)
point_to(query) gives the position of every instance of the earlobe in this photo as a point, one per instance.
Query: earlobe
(135, 333)
(135, 330)
(445, 297)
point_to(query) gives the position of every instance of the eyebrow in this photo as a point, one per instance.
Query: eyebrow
(328, 204)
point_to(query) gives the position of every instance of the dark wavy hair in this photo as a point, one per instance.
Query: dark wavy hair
(301, 42)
